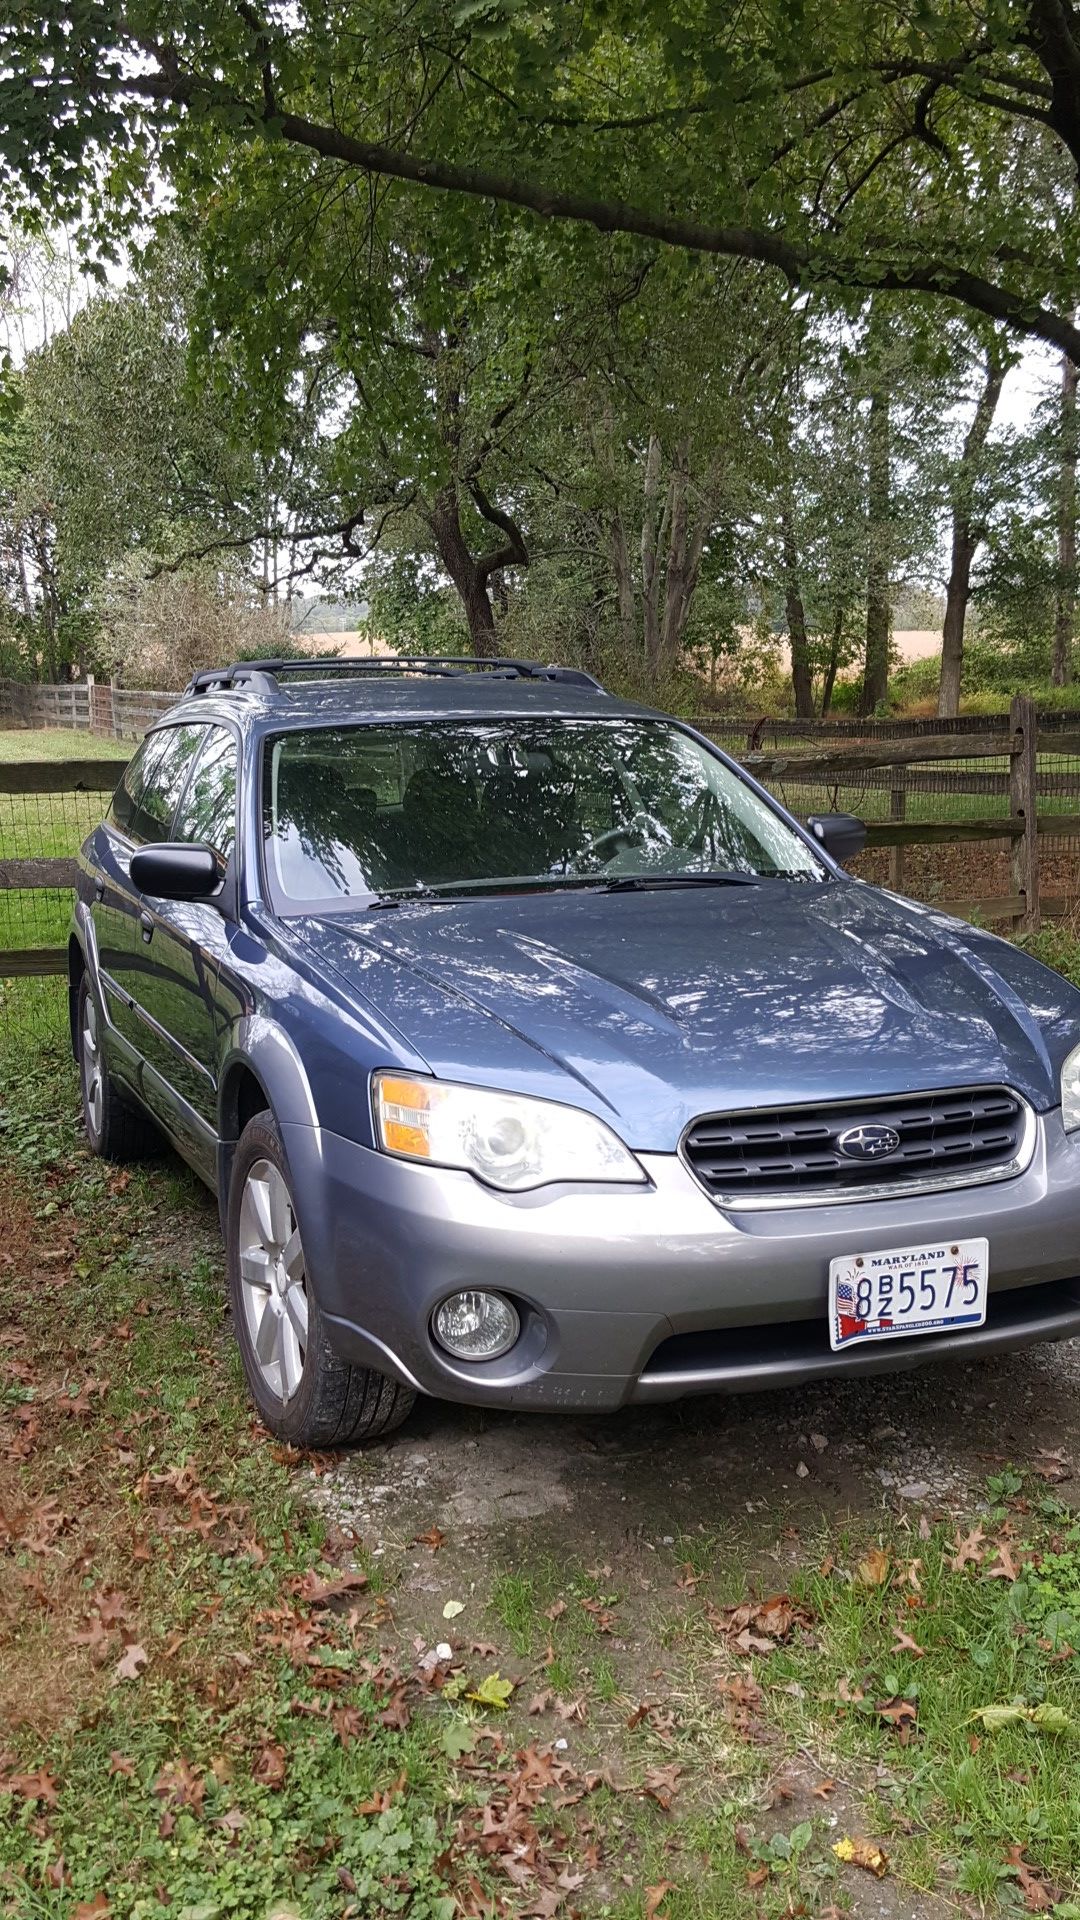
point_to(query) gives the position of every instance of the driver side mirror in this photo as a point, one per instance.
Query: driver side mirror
(175, 870)
(841, 834)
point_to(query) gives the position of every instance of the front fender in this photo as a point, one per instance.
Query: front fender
(260, 1046)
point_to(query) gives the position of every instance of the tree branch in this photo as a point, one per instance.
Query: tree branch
(515, 553)
(801, 264)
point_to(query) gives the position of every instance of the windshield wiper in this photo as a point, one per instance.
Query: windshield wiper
(646, 882)
(398, 899)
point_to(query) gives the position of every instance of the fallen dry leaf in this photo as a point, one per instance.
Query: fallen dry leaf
(397, 1713)
(269, 1765)
(874, 1570)
(969, 1551)
(131, 1662)
(857, 1852)
(762, 1627)
(323, 1593)
(903, 1643)
(1004, 1567)
(899, 1713)
(40, 1786)
(178, 1785)
(661, 1784)
(1039, 1895)
(655, 1897)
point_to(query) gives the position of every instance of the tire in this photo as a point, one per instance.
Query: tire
(305, 1392)
(115, 1129)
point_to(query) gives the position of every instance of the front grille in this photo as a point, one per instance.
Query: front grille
(790, 1156)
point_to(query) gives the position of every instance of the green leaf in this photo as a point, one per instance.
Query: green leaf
(492, 1692)
(458, 1738)
(1046, 1718)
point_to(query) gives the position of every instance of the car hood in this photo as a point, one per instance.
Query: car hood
(650, 1008)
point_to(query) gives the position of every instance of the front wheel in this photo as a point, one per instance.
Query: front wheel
(305, 1392)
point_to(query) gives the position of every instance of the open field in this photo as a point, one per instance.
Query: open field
(504, 1665)
(60, 743)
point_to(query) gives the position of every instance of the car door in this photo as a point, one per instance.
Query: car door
(187, 944)
(158, 768)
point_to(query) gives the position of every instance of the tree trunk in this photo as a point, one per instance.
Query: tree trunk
(965, 538)
(833, 665)
(468, 577)
(878, 620)
(650, 561)
(1065, 596)
(624, 586)
(686, 545)
(801, 676)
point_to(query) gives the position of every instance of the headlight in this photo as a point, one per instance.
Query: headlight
(507, 1139)
(1070, 1092)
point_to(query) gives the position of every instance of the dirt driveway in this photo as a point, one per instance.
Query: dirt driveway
(649, 1476)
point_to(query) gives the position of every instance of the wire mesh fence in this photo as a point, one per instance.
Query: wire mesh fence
(35, 826)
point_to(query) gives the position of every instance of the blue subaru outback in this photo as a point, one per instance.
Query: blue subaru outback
(538, 1058)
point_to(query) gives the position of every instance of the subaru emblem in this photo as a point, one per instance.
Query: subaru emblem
(868, 1143)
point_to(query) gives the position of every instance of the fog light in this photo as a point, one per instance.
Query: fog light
(476, 1326)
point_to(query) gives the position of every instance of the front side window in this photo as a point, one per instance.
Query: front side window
(351, 811)
(166, 777)
(207, 812)
(139, 769)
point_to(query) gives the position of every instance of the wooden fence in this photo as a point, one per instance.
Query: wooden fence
(1021, 829)
(93, 706)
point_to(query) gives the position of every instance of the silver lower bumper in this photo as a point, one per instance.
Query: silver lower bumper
(652, 1293)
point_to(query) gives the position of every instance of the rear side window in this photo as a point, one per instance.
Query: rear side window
(164, 781)
(207, 811)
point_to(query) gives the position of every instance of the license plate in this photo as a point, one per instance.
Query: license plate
(881, 1296)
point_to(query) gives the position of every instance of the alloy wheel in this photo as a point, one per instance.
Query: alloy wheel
(273, 1280)
(93, 1075)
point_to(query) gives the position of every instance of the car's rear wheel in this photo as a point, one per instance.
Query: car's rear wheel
(115, 1129)
(305, 1392)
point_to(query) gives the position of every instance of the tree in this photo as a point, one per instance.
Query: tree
(800, 138)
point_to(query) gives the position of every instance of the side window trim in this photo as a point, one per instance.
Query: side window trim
(192, 770)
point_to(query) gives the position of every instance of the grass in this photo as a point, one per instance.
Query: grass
(60, 743)
(187, 1726)
(194, 1723)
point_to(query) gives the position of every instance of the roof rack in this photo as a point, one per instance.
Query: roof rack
(264, 676)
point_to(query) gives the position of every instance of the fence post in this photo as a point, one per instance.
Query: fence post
(897, 811)
(1022, 806)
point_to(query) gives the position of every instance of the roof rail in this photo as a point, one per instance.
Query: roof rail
(263, 676)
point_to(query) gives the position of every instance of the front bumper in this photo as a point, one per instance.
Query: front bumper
(637, 1294)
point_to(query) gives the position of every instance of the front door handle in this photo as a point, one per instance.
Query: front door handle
(146, 922)
(99, 890)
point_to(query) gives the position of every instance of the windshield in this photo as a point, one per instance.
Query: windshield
(486, 804)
